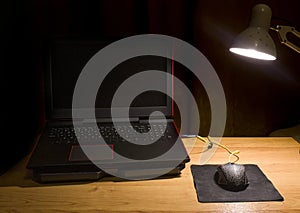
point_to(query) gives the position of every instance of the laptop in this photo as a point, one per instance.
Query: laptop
(64, 153)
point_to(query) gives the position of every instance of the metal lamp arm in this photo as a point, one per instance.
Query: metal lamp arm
(283, 31)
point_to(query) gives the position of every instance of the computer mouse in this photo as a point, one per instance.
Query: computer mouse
(232, 177)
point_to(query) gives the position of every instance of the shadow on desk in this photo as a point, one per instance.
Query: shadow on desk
(293, 132)
(18, 175)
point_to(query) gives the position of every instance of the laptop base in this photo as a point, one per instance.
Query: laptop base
(94, 174)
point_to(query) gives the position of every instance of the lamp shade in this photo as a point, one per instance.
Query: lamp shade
(255, 41)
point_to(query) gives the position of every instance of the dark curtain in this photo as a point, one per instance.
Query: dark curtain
(261, 96)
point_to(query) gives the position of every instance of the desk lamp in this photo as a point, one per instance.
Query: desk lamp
(229, 182)
(256, 42)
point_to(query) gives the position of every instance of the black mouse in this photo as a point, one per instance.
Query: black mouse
(232, 177)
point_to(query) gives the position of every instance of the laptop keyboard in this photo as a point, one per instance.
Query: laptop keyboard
(66, 135)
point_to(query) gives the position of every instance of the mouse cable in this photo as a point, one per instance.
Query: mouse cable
(209, 142)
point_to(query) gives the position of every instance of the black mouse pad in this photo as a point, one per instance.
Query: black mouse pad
(260, 187)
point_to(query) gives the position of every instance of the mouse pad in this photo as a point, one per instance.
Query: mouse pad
(260, 187)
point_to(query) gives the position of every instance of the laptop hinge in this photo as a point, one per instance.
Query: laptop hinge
(109, 120)
(158, 120)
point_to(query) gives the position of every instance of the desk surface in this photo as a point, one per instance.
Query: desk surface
(278, 158)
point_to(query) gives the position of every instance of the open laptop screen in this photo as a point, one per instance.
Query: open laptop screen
(67, 59)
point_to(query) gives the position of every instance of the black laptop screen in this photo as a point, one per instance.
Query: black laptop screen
(67, 59)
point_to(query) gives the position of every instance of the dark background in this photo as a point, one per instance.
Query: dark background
(261, 96)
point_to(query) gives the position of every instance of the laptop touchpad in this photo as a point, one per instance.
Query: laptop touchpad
(91, 152)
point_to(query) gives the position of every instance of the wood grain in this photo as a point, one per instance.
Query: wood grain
(278, 158)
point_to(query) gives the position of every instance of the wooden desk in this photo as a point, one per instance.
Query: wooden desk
(278, 158)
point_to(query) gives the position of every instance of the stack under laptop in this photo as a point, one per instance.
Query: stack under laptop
(58, 155)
